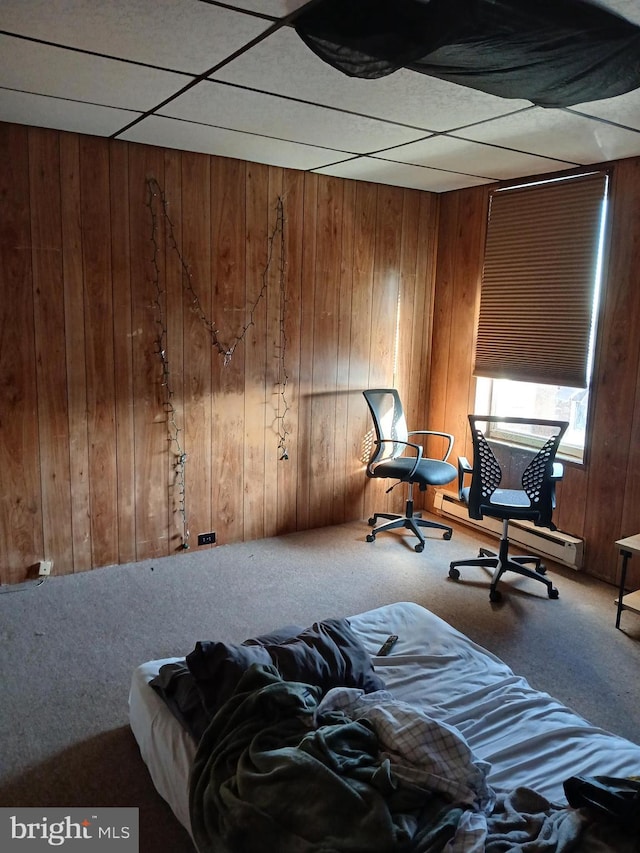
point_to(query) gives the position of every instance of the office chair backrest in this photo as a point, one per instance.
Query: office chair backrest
(536, 468)
(389, 422)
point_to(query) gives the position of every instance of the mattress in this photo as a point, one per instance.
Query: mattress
(529, 738)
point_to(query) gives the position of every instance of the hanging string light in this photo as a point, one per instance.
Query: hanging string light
(173, 430)
(158, 207)
(283, 377)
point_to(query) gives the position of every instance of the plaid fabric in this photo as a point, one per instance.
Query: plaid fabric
(424, 751)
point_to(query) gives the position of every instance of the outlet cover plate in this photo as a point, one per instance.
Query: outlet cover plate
(206, 539)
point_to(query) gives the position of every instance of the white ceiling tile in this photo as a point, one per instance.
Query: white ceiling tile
(241, 109)
(38, 68)
(487, 161)
(175, 34)
(283, 64)
(42, 111)
(79, 89)
(558, 133)
(171, 133)
(400, 175)
(625, 109)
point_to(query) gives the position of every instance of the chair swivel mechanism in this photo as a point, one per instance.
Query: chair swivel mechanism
(388, 460)
(533, 498)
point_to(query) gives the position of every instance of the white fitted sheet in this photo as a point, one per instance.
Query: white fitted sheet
(529, 738)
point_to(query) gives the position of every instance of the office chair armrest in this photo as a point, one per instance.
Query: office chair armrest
(446, 435)
(416, 447)
(463, 469)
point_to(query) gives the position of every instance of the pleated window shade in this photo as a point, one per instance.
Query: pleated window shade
(538, 281)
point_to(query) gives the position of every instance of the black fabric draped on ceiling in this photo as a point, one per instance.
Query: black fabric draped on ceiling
(554, 53)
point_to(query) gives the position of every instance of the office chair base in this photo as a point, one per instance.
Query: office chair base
(490, 560)
(411, 521)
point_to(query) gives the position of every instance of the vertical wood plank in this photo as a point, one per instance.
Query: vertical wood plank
(426, 253)
(325, 349)
(99, 353)
(346, 463)
(273, 361)
(74, 309)
(442, 338)
(21, 532)
(305, 445)
(385, 287)
(421, 368)
(198, 353)
(228, 258)
(384, 317)
(150, 428)
(255, 416)
(180, 470)
(569, 512)
(407, 336)
(460, 392)
(360, 429)
(293, 201)
(48, 289)
(123, 349)
(462, 223)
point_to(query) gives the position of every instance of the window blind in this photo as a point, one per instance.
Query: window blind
(538, 281)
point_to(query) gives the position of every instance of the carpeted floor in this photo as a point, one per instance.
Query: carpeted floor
(70, 644)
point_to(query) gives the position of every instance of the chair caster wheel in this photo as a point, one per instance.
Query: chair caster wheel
(553, 592)
(371, 522)
(371, 537)
(495, 595)
(454, 574)
(447, 534)
(419, 548)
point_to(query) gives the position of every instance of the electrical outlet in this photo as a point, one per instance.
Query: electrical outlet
(206, 539)
(44, 568)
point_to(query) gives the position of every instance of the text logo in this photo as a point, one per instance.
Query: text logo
(101, 829)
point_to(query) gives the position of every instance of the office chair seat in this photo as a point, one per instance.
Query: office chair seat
(389, 461)
(504, 503)
(430, 472)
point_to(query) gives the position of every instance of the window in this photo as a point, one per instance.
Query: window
(539, 303)
(521, 399)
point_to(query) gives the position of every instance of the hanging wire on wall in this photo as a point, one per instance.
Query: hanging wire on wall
(173, 430)
(283, 377)
(158, 206)
(226, 350)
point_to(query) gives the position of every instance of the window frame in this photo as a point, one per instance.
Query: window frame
(569, 451)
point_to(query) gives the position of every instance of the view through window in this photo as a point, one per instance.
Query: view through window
(520, 399)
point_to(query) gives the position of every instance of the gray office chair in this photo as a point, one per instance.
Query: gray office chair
(528, 493)
(389, 462)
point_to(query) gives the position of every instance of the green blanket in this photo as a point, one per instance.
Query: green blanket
(266, 778)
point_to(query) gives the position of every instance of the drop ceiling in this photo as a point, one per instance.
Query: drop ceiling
(234, 79)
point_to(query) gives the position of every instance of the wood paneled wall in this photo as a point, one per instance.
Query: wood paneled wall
(87, 464)
(380, 288)
(600, 500)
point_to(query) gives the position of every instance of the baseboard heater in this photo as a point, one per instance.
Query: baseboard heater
(556, 546)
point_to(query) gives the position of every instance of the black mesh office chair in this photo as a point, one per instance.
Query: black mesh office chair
(528, 479)
(387, 461)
